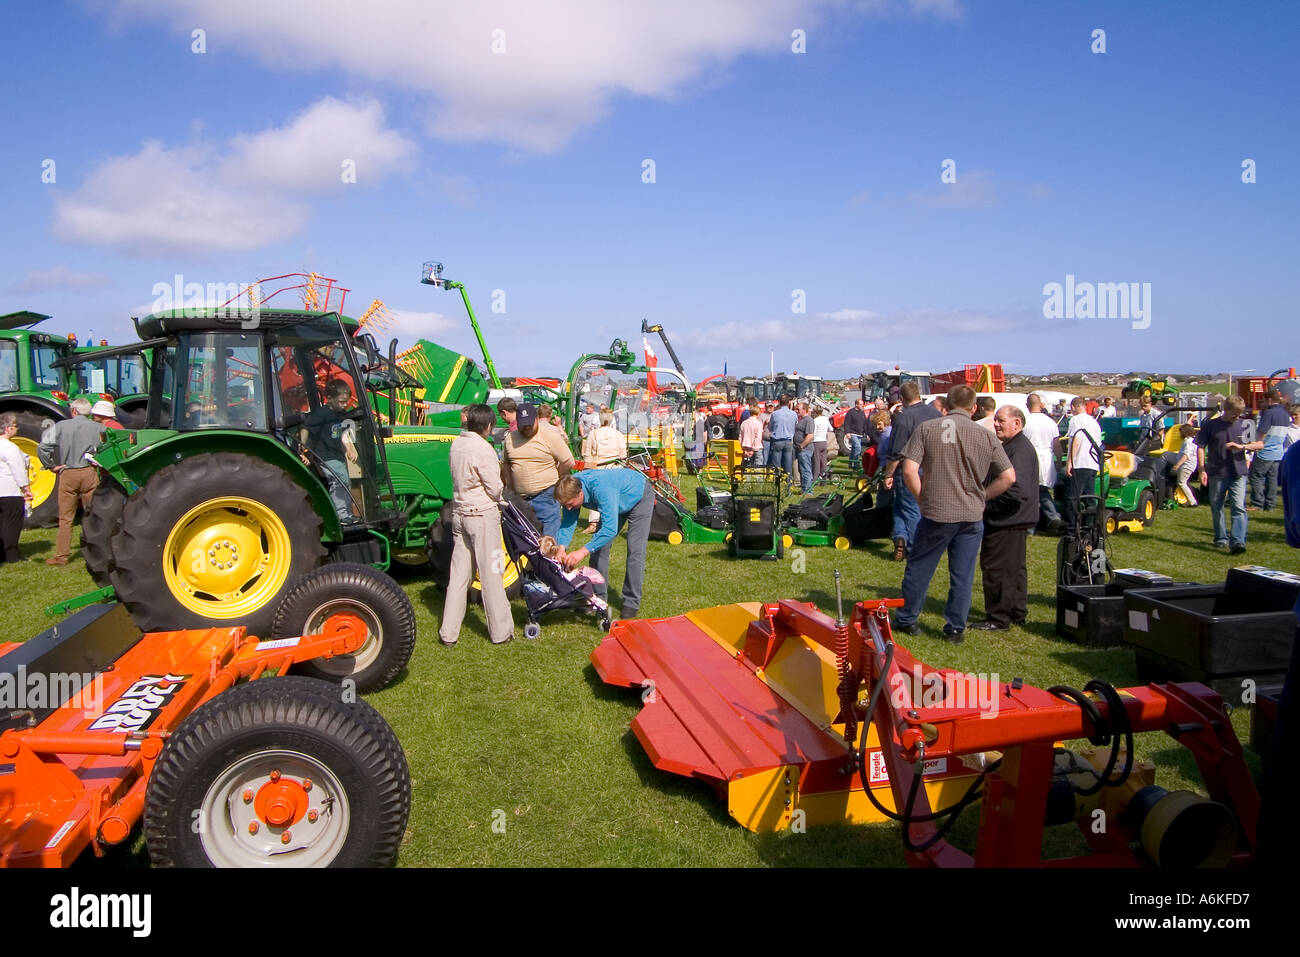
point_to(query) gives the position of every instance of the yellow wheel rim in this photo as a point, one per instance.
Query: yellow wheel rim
(1111, 525)
(842, 543)
(227, 557)
(1180, 497)
(787, 541)
(42, 479)
(509, 576)
(410, 557)
(675, 538)
(863, 485)
(1148, 510)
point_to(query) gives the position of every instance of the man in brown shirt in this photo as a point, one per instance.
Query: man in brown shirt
(956, 455)
(536, 457)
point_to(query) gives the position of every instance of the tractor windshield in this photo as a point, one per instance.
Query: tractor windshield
(325, 417)
(8, 366)
(116, 376)
(43, 377)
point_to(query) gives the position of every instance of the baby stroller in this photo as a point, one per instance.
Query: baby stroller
(546, 586)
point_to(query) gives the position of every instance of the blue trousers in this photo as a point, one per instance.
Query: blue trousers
(806, 468)
(547, 510)
(781, 456)
(1230, 492)
(961, 540)
(906, 512)
(855, 452)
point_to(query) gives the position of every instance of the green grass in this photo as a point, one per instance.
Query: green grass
(529, 730)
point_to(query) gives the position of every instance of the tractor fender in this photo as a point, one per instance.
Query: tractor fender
(135, 469)
(35, 404)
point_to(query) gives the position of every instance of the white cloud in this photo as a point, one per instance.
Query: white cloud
(407, 325)
(973, 189)
(857, 325)
(201, 198)
(59, 278)
(563, 62)
(866, 363)
(309, 153)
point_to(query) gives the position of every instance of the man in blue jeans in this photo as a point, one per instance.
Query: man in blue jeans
(855, 427)
(623, 497)
(906, 512)
(956, 456)
(1221, 448)
(803, 446)
(782, 425)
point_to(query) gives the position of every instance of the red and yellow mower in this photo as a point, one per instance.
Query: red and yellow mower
(103, 726)
(794, 716)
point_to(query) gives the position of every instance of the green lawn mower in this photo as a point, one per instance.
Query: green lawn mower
(756, 514)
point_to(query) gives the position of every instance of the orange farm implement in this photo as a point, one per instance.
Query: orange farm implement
(104, 727)
(794, 716)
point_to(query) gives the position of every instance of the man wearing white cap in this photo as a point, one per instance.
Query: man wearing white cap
(105, 414)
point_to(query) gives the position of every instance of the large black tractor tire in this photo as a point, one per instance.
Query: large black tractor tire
(98, 527)
(45, 509)
(196, 811)
(211, 522)
(717, 428)
(362, 591)
(442, 543)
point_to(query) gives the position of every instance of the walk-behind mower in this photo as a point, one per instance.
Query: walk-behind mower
(756, 514)
(794, 716)
(106, 726)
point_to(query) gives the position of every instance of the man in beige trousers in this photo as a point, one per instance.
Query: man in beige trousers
(476, 527)
(63, 449)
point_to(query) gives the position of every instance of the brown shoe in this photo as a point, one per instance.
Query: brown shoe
(900, 549)
(56, 561)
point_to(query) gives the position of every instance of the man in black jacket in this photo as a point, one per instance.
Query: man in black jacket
(855, 427)
(1007, 522)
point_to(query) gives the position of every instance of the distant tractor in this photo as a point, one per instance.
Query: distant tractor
(1159, 390)
(33, 387)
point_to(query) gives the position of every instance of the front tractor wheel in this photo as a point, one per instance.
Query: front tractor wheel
(214, 540)
(45, 503)
(279, 772)
(362, 591)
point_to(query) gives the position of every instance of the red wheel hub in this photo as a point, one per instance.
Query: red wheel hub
(281, 803)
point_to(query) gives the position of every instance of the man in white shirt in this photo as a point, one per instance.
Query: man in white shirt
(1083, 459)
(821, 434)
(1042, 433)
(1108, 408)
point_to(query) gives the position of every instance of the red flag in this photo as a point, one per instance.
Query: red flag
(652, 362)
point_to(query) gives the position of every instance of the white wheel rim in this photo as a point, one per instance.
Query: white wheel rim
(234, 827)
(344, 665)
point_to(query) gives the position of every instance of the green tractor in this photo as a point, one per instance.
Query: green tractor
(1158, 389)
(33, 387)
(260, 458)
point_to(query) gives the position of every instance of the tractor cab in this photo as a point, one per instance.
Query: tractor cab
(295, 377)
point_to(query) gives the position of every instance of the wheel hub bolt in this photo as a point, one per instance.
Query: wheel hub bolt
(252, 827)
(306, 784)
(275, 775)
(313, 815)
(286, 837)
(248, 795)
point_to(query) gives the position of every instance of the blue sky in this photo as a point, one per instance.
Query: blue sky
(775, 171)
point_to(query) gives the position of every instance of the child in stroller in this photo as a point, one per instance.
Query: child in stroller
(547, 586)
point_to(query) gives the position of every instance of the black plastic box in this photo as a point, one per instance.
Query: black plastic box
(1218, 635)
(1093, 615)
